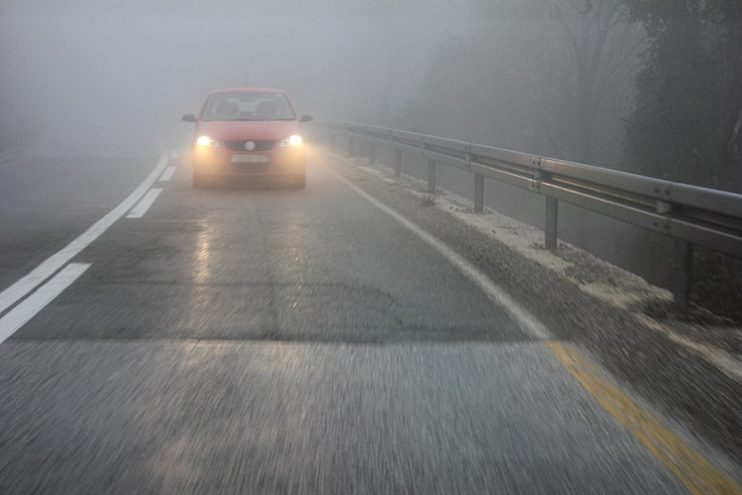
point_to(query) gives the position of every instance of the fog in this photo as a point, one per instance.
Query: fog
(86, 67)
(547, 77)
(485, 71)
(252, 301)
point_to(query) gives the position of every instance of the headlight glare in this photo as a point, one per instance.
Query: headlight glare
(207, 141)
(294, 140)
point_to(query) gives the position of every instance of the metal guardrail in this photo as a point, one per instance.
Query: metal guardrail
(690, 214)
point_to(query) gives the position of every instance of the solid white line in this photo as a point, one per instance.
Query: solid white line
(21, 314)
(525, 320)
(167, 174)
(26, 284)
(141, 208)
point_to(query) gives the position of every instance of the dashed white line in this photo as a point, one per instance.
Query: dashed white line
(523, 318)
(26, 284)
(167, 174)
(141, 208)
(23, 312)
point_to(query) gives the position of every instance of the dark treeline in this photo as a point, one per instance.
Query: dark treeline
(648, 86)
(688, 112)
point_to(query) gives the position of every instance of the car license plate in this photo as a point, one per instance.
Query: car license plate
(249, 158)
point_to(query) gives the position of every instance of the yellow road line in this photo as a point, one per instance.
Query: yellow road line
(695, 472)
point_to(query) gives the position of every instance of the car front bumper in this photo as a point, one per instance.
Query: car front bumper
(219, 162)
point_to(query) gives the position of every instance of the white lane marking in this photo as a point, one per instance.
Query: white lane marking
(26, 284)
(21, 314)
(525, 320)
(141, 208)
(167, 174)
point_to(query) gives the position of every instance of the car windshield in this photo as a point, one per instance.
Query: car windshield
(248, 106)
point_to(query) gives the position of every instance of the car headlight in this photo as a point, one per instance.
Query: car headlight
(207, 141)
(291, 141)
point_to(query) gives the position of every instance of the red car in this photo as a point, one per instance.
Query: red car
(248, 133)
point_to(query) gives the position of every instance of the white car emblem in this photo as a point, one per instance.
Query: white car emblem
(250, 145)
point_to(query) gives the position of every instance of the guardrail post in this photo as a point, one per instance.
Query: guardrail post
(550, 224)
(478, 193)
(351, 146)
(431, 176)
(372, 153)
(682, 273)
(398, 163)
(332, 140)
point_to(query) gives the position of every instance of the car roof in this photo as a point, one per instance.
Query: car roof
(249, 90)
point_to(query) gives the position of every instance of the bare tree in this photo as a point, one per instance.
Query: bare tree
(602, 42)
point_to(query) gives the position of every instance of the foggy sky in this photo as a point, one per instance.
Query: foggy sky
(86, 65)
(447, 67)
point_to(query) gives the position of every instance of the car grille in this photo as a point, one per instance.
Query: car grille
(240, 145)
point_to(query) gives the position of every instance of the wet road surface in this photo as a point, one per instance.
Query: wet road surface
(288, 341)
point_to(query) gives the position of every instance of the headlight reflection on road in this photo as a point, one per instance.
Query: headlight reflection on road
(201, 269)
(202, 274)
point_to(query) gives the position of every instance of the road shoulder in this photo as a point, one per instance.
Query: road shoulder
(701, 397)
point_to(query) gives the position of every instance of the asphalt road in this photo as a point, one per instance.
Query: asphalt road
(54, 192)
(277, 341)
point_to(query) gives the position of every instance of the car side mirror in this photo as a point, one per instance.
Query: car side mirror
(189, 117)
(305, 118)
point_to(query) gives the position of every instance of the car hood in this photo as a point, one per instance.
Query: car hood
(237, 130)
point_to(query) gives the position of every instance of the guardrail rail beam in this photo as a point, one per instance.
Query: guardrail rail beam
(692, 215)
